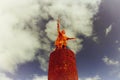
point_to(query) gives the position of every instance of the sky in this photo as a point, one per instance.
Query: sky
(28, 31)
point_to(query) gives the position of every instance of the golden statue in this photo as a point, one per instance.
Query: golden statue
(61, 41)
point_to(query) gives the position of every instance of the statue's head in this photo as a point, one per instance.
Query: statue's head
(63, 31)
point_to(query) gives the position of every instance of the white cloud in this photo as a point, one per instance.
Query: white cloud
(109, 61)
(43, 63)
(115, 72)
(115, 66)
(94, 78)
(118, 74)
(95, 39)
(18, 42)
(97, 77)
(119, 49)
(40, 78)
(117, 41)
(79, 78)
(4, 77)
(108, 29)
(46, 78)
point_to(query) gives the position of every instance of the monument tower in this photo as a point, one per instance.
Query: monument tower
(62, 62)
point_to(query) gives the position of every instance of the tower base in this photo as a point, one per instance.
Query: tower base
(62, 65)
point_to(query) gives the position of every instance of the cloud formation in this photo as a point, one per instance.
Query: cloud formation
(29, 25)
(118, 49)
(4, 77)
(18, 43)
(109, 61)
(40, 78)
(108, 30)
(97, 77)
(115, 66)
(94, 78)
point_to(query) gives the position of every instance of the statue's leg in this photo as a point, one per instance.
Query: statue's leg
(64, 46)
(60, 45)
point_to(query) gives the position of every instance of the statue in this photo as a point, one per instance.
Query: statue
(61, 41)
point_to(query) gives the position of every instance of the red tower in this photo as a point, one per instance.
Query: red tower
(62, 65)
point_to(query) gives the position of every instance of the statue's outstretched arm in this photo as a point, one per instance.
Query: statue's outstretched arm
(70, 38)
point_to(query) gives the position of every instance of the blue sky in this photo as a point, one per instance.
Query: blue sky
(28, 32)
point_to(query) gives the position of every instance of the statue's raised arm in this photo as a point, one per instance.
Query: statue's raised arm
(58, 25)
